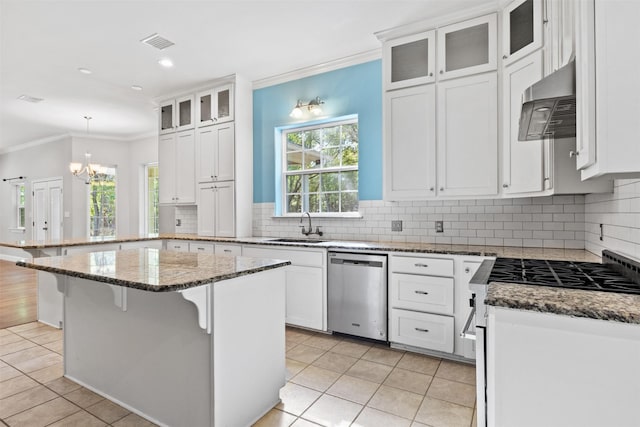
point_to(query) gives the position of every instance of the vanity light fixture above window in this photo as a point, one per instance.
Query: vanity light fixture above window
(313, 106)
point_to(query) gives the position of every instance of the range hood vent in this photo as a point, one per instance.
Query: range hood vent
(549, 106)
(157, 41)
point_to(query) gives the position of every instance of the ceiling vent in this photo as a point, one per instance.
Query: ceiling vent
(28, 98)
(157, 41)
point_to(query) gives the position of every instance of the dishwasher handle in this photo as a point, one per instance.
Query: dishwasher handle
(361, 263)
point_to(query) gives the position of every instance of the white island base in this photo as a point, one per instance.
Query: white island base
(148, 351)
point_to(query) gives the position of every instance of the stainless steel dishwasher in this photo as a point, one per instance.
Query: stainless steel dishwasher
(357, 294)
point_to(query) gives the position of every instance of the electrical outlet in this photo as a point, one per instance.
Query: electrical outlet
(601, 232)
(439, 227)
(396, 225)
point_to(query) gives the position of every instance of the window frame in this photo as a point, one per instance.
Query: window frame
(17, 206)
(115, 207)
(145, 220)
(284, 173)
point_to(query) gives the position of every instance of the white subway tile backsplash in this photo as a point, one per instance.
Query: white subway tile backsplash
(557, 221)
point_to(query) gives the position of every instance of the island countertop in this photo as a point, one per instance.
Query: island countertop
(152, 269)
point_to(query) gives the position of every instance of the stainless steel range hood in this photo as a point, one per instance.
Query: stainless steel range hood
(549, 106)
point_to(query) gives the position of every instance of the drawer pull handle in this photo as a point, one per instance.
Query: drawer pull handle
(421, 330)
(227, 250)
(419, 264)
(421, 292)
(201, 249)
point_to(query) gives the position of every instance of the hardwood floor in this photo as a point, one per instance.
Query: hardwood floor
(18, 295)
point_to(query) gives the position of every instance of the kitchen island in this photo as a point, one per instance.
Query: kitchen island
(182, 339)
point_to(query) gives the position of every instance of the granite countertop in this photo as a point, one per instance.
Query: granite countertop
(152, 269)
(424, 248)
(569, 302)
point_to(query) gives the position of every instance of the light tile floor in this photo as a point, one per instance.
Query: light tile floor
(335, 381)
(331, 381)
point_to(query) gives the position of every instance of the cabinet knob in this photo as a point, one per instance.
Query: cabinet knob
(574, 153)
(430, 74)
(441, 188)
(467, 270)
(505, 185)
(504, 56)
(441, 72)
(431, 189)
(546, 178)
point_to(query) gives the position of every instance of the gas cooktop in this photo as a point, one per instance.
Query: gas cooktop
(605, 277)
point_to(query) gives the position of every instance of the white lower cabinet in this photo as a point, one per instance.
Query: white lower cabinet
(226, 249)
(143, 244)
(203, 248)
(306, 283)
(429, 302)
(177, 246)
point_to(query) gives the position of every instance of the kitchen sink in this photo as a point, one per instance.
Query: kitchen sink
(296, 240)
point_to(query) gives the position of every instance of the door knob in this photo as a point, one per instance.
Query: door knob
(574, 153)
(505, 185)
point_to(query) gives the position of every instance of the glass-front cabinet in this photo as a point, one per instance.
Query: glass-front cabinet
(167, 116)
(410, 61)
(522, 29)
(215, 105)
(177, 114)
(467, 47)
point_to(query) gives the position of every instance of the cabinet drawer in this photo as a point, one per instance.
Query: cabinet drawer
(234, 250)
(177, 246)
(203, 248)
(419, 265)
(428, 331)
(423, 293)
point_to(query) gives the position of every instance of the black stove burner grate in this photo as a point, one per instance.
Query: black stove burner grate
(563, 274)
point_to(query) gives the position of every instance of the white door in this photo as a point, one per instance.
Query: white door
(206, 213)
(225, 155)
(185, 173)
(167, 168)
(224, 210)
(47, 210)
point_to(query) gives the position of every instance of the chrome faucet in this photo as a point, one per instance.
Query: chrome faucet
(310, 230)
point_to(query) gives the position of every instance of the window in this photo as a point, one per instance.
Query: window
(320, 170)
(151, 199)
(19, 198)
(102, 203)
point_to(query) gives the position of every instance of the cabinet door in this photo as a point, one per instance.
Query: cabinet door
(223, 104)
(558, 34)
(206, 210)
(204, 108)
(468, 136)
(167, 168)
(226, 249)
(185, 175)
(522, 164)
(203, 248)
(224, 209)
(225, 152)
(205, 153)
(585, 84)
(410, 141)
(467, 47)
(185, 113)
(178, 246)
(522, 29)
(409, 61)
(304, 297)
(167, 117)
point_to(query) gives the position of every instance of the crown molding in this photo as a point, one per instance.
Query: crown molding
(300, 73)
(35, 143)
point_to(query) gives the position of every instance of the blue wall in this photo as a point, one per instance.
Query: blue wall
(352, 90)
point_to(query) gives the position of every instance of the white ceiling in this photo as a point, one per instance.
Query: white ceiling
(43, 43)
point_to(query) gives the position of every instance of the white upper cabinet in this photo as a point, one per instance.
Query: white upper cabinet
(409, 61)
(177, 114)
(468, 136)
(176, 160)
(216, 209)
(522, 166)
(521, 29)
(215, 105)
(467, 47)
(410, 148)
(608, 88)
(215, 153)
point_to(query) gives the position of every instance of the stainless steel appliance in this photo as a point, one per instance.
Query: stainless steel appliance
(357, 294)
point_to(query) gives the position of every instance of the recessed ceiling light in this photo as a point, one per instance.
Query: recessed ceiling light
(28, 98)
(166, 62)
(84, 70)
(136, 87)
